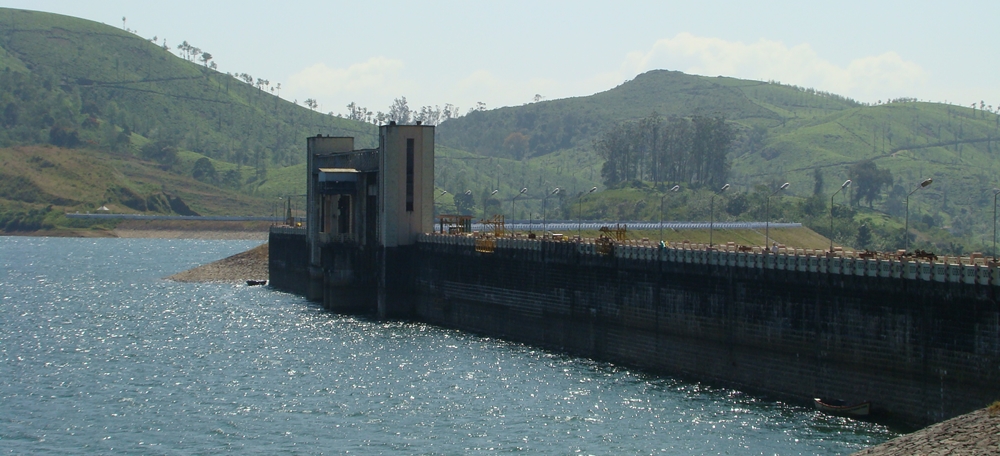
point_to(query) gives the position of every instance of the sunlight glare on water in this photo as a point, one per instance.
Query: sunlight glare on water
(99, 354)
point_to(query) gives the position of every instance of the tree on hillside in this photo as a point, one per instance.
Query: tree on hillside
(204, 170)
(399, 111)
(163, 151)
(868, 181)
(465, 203)
(516, 144)
(63, 135)
(676, 150)
(205, 58)
(429, 115)
(358, 113)
(817, 181)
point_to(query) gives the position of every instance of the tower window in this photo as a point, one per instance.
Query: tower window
(409, 174)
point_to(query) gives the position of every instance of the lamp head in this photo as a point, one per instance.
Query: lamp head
(443, 192)
(592, 190)
(724, 188)
(675, 188)
(468, 192)
(847, 183)
(784, 186)
(555, 191)
(927, 182)
(494, 192)
(524, 189)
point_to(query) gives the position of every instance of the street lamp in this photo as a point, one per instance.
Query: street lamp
(544, 200)
(440, 219)
(512, 214)
(711, 223)
(767, 212)
(996, 191)
(579, 227)
(672, 189)
(494, 192)
(847, 183)
(906, 229)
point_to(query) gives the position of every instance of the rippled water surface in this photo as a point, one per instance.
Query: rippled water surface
(99, 354)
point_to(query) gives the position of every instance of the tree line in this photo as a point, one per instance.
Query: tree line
(692, 150)
(401, 113)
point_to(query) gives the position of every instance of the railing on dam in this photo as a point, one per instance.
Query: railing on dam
(526, 225)
(971, 270)
(288, 230)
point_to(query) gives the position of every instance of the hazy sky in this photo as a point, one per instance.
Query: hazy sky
(503, 53)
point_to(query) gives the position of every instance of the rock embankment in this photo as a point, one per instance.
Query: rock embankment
(190, 229)
(976, 433)
(249, 265)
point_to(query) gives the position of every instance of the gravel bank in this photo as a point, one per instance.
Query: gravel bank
(976, 433)
(190, 234)
(249, 265)
(185, 229)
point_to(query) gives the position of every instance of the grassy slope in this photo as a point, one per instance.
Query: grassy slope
(155, 89)
(228, 120)
(79, 179)
(954, 145)
(133, 82)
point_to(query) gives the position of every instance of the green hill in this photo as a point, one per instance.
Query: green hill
(781, 134)
(95, 115)
(141, 121)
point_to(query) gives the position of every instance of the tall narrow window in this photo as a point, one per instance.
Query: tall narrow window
(409, 174)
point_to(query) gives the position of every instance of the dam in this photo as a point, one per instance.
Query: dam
(918, 337)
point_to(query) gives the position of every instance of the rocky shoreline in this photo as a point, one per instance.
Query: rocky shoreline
(188, 234)
(976, 433)
(249, 265)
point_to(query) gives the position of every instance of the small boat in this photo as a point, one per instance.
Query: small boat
(839, 407)
(253, 283)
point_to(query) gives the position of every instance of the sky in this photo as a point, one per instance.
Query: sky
(504, 53)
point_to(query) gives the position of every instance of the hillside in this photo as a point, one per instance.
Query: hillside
(129, 124)
(94, 115)
(781, 134)
(551, 126)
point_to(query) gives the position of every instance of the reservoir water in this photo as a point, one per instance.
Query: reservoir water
(99, 354)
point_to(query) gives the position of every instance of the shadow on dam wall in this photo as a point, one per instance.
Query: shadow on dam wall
(921, 346)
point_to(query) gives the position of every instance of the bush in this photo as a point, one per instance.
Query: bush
(30, 220)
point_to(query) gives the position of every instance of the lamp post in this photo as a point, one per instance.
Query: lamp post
(440, 220)
(711, 223)
(906, 229)
(512, 214)
(579, 213)
(767, 213)
(544, 214)
(996, 191)
(846, 184)
(672, 189)
(494, 192)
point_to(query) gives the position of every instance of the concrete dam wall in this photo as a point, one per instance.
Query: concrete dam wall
(919, 339)
(923, 348)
